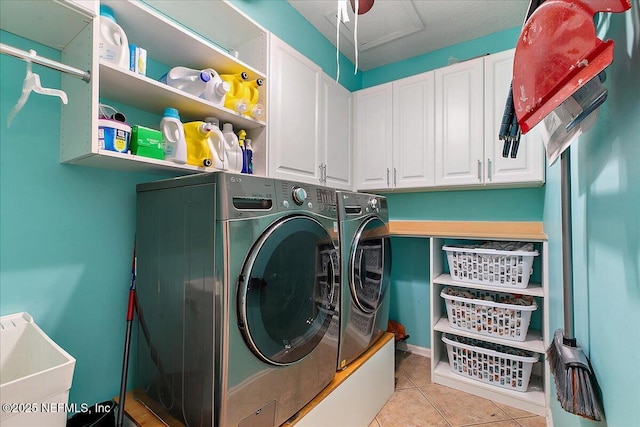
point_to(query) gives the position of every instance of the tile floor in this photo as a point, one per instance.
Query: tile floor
(417, 402)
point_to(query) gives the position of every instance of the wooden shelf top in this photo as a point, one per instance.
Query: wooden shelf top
(508, 230)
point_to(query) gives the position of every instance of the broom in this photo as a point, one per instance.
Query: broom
(575, 382)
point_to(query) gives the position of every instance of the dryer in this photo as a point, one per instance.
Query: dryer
(365, 253)
(239, 284)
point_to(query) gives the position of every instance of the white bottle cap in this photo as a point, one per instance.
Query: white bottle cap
(227, 127)
(222, 88)
(247, 144)
(213, 121)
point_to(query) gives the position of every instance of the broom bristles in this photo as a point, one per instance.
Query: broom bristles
(574, 386)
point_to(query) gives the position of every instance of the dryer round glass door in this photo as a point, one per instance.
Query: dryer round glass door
(288, 290)
(370, 264)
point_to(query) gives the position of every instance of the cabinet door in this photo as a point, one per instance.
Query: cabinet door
(528, 166)
(337, 131)
(294, 83)
(373, 137)
(413, 131)
(459, 124)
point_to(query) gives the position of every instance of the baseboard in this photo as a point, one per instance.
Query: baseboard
(413, 349)
(549, 418)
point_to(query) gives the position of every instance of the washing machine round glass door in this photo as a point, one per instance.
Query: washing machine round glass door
(288, 290)
(370, 264)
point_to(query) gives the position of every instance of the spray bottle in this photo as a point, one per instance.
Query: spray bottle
(241, 136)
(249, 155)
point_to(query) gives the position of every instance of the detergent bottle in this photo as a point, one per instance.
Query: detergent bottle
(232, 148)
(235, 99)
(216, 142)
(113, 45)
(241, 136)
(188, 80)
(248, 150)
(252, 96)
(196, 135)
(173, 140)
(216, 89)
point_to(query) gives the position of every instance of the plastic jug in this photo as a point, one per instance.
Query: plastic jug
(232, 148)
(187, 80)
(113, 46)
(173, 139)
(235, 99)
(252, 96)
(196, 135)
(217, 146)
(216, 89)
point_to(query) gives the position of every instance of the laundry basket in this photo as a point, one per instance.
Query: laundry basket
(503, 264)
(494, 314)
(35, 375)
(490, 363)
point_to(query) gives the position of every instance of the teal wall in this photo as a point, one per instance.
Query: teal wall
(606, 233)
(67, 233)
(280, 18)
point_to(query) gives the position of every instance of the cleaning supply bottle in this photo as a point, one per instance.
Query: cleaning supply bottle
(113, 46)
(196, 135)
(248, 150)
(188, 80)
(216, 142)
(235, 99)
(241, 136)
(252, 96)
(216, 89)
(232, 147)
(173, 139)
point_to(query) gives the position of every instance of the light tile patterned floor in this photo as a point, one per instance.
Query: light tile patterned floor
(417, 402)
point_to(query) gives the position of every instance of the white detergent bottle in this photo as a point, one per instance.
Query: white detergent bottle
(234, 152)
(217, 145)
(113, 46)
(173, 139)
(216, 89)
(188, 80)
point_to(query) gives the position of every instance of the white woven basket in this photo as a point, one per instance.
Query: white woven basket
(470, 358)
(508, 269)
(489, 318)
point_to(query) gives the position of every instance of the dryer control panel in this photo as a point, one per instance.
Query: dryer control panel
(294, 196)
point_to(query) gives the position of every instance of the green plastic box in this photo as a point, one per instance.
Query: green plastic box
(146, 142)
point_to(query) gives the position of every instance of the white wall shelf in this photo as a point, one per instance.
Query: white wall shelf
(536, 398)
(153, 96)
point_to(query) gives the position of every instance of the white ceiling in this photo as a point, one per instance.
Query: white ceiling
(394, 30)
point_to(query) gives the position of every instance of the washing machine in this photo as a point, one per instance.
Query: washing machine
(238, 280)
(365, 254)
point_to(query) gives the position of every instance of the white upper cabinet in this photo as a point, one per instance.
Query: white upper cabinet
(413, 131)
(310, 123)
(470, 102)
(336, 134)
(459, 126)
(528, 165)
(294, 93)
(374, 137)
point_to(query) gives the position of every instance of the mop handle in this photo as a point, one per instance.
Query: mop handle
(567, 246)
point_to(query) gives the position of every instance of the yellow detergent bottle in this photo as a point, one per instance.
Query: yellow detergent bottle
(252, 96)
(235, 100)
(197, 136)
